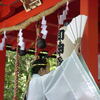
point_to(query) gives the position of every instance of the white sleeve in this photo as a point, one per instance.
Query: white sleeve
(74, 83)
(49, 80)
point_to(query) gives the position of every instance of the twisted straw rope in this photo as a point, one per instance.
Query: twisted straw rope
(24, 24)
(16, 75)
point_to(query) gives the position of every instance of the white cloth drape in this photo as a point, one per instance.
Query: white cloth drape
(70, 81)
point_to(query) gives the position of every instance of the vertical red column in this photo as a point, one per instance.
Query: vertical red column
(90, 39)
(2, 72)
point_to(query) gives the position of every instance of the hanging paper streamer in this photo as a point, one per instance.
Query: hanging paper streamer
(2, 44)
(44, 26)
(63, 16)
(21, 42)
(60, 49)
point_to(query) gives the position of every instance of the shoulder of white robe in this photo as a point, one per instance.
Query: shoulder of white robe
(53, 76)
(75, 57)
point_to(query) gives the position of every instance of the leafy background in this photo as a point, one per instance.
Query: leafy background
(24, 74)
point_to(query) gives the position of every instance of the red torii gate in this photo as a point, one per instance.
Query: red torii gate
(90, 40)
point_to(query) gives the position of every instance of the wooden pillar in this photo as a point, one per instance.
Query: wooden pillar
(90, 39)
(2, 72)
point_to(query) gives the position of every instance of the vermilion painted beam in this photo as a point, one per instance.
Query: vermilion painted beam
(90, 40)
(2, 73)
(22, 16)
(5, 10)
(8, 2)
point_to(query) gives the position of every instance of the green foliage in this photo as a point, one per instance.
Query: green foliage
(53, 63)
(24, 74)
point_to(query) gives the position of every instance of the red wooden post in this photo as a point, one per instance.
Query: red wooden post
(2, 72)
(90, 39)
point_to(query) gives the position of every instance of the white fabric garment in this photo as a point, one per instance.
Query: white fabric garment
(35, 91)
(70, 81)
(40, 84)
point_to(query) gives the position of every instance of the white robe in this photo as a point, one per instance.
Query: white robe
(70, 81)
(35, 91)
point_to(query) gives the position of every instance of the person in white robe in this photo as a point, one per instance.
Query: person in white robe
(69, 81)
(35, 90)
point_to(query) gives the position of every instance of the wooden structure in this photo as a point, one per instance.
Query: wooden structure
(13, 17)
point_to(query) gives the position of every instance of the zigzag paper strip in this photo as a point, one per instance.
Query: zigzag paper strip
(2, 44)
(21, 42)
(44, 26)
(64, 14)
